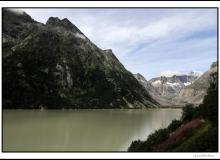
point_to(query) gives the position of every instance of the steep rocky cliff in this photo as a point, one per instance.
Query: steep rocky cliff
(54, 65)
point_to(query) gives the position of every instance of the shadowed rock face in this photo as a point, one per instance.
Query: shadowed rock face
(57, 66)
(19, 20)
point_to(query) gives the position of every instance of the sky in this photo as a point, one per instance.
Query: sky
(152, 42)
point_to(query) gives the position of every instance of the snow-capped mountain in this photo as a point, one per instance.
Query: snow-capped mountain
(179, 90)
(164, 89)
(170, 86)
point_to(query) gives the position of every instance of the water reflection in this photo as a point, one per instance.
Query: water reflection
(80, 130)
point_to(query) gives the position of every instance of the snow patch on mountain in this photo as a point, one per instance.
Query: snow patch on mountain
(187, 83)
(165, 89)
(173, 84)
(156, 83)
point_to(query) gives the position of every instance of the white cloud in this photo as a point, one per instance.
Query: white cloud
(17, 11)
(147, 40)
(106, 32)
(169, 73)
(178, 73)
(114, 29)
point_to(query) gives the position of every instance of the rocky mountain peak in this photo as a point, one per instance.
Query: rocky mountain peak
(108, 51)
(56, 66)
(163, 79)
(139, 77)
(214, 64)
(65, 23)
(195, 73)
(53, 21)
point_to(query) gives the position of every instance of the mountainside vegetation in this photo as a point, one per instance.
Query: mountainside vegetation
(54, 65)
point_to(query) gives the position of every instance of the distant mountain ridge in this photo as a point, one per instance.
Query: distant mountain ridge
(170, 86)
(178, 90)
(176, 78)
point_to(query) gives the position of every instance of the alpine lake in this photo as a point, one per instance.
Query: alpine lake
(100, 130)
